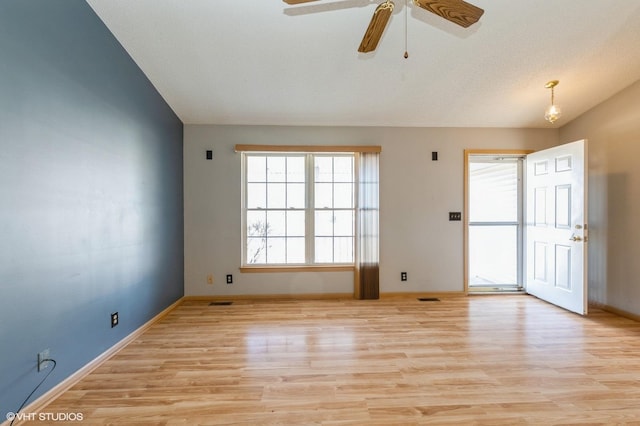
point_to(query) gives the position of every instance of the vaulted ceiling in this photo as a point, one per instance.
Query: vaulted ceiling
(265, 62)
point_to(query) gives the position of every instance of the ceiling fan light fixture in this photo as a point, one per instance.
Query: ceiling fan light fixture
(553, 111)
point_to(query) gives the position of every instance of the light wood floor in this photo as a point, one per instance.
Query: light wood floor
(494, 360)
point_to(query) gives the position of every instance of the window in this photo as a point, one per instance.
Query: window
(299, 208)
(334, 208)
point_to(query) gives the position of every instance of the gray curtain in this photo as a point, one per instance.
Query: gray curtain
(368, 260)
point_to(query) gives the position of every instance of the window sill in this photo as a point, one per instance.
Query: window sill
(329, 268)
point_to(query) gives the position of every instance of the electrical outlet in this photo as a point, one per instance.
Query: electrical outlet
(456, 216)
(403, 276)
(229, 279)
(42, 357)
(209, 279)
(114, 319)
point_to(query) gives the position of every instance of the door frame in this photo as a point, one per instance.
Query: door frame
(465, 210)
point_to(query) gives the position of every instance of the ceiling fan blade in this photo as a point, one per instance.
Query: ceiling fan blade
(457, 11)
(297, 1)
(376, 27)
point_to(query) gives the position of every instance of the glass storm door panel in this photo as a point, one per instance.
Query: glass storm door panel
(495, 222)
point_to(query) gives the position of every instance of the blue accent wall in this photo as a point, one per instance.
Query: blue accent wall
(91, 198)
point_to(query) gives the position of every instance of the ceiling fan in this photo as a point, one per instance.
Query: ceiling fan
(457, 11)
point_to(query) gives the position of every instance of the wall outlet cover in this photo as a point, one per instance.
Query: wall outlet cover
(42, 356)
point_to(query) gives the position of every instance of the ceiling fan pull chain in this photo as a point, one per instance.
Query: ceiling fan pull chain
(406, 49)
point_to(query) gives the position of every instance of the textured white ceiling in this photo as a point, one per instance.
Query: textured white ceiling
(265, 62)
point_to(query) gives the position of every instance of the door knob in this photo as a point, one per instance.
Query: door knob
(575, 238)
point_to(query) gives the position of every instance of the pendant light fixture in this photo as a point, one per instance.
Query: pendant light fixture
(553, 111)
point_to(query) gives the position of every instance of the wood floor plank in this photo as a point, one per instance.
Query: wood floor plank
(486, 360)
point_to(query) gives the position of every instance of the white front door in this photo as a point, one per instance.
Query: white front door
(556, 226)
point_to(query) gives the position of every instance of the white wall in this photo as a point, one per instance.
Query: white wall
(416, 195)
(613, 131)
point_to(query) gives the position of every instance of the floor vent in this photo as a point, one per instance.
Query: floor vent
(220, 303)
(428, 299)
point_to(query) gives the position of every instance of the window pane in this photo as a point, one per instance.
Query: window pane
(295, 169)
(343, 250)
(276, 223)
(276, 169)
(276, 195)
(324, 250)
(493, 192)
(295, 250)
(256, 195)
(324, 223)
(323, 170)
(343, 195)
(256, 169)
(256, 250)
(256, 224)
(499, 265)
(343, 169)
(323, 195)
(343, 223)
(276, 250)
(295, 196)
(295, 223)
